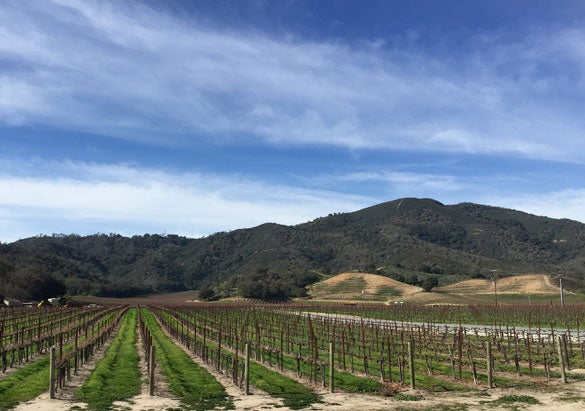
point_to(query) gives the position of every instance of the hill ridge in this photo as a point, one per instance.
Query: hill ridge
(402, 237)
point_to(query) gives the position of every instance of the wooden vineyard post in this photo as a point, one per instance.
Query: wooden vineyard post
(75, 362)
(460, 351)
(247, 369)
(472, 365)
(529, 349)
(236, 359)
(281, 358)
(389, 349)
(218, 364)
(489, 365)
(331, 368)
(565, 351)
(151, 365)
(452, 359)
(411, 363)
(561, 359)
(52, 366)
(343, 349)
(60, 344)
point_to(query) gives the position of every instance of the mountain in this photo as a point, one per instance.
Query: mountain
(404, 239)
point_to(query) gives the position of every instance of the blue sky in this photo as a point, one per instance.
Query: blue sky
(193, 117)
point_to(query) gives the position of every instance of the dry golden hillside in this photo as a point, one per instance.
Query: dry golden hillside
(361, 286)
(370, 287)
(523, 284)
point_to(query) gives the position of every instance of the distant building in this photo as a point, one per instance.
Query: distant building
(11, 302)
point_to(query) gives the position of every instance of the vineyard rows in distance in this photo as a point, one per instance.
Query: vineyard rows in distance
(298, 353)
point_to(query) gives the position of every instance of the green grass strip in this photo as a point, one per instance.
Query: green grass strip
(344, 381)
(294, 395)
(508, 400)
(25, 384)
(117, 376)
(348, 382)
(30, 381)
(196, 388)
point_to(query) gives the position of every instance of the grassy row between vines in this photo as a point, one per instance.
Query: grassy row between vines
(294, 395)
(25, 384)
(117, 376)
(356, 383)
(195, 387)
(434, 370)
(28, 382)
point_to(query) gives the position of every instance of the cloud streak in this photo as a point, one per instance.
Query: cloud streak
(38, 196)
(128, 200)
(567, 203)
(124, 70)
(73, 197)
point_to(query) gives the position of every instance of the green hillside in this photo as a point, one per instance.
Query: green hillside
(400, 239)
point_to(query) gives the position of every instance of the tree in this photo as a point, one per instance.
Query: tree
(206, 294)
(27, 285)
(413, 280)
(429, 283)
(265, 285)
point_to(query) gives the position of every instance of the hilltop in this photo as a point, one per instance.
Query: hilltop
(407, 239)
(361, 287)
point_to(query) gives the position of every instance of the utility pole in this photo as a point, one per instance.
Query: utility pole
(496, 291)
(495, 282)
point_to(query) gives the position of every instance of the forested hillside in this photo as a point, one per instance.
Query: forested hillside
(396, 238)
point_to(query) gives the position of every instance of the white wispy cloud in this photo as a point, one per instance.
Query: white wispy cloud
(39, 196)
(124, 70)
(401, 182)
(69, 196)
(500, 190)
(568, 203)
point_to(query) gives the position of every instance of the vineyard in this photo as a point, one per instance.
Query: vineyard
(212, 356)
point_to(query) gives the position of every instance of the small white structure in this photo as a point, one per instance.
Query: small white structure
(11, 302)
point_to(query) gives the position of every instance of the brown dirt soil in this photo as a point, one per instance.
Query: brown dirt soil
(155, 299)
